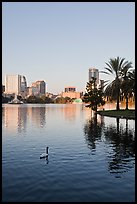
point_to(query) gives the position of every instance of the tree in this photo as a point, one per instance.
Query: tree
(132, 82)
(93, 95)
(128, 84)
(116, 66)
(34, 99)
(46, 99)
(60, 100)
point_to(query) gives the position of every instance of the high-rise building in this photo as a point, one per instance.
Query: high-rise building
(70, 89)
(93, 72)
(39, 87)
(15, 84)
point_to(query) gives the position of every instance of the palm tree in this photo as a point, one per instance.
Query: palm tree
(132, 81)
(115, 66)
(128, 83)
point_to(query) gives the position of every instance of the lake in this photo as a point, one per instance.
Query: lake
(91, 159)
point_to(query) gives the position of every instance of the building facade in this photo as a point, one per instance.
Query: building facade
(93, 72)
(70, 91)
(16, 84)
(37, 88)
(71, 94)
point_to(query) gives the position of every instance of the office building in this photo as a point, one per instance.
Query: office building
(70, 91)
(93, 72)
(38, 88)
(15, 84)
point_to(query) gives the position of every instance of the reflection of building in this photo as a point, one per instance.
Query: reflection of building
(70, 92)
(70, 112)
(37, 88)
(15, 118)
(37, 115)
(15, 84)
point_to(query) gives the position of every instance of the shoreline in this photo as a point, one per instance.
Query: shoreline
(126, 114)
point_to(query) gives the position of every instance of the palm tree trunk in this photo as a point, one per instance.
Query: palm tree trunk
(96, 109)
(118, 94)
(126, 102)
(117, 103)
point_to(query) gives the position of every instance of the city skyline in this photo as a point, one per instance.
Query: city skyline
(59, 41)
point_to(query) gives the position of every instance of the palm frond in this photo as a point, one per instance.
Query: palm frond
(121, 62)
(109, 68)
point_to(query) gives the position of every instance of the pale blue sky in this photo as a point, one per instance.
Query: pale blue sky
(59, 41)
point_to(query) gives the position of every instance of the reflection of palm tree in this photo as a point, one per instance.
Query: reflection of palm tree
(92, 130)
(123, 146)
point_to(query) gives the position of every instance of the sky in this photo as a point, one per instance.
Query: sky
(59, 41)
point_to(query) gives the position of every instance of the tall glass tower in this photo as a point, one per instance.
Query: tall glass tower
(93, 72)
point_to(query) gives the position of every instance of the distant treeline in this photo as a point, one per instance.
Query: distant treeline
(42, 100)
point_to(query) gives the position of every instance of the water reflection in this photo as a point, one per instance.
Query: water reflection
(70, 112)
(93, 130)
(16, 117)
(119, 139)
(87, 175)
(121, 156)
(47, 160)
(38, 116)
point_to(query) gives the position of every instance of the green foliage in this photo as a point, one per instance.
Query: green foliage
(128, 82)
(62, 100)
(5, 99)
(46, 99)
(119, 67)
(129, 114)
(93, 96)
(34, 99)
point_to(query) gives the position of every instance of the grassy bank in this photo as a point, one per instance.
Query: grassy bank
(129, 114)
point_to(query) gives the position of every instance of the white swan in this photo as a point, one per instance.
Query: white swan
(45, 154)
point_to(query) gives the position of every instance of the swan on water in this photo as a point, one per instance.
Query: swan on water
(45, 154)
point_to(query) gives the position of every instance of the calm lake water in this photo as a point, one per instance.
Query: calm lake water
(90, 159)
